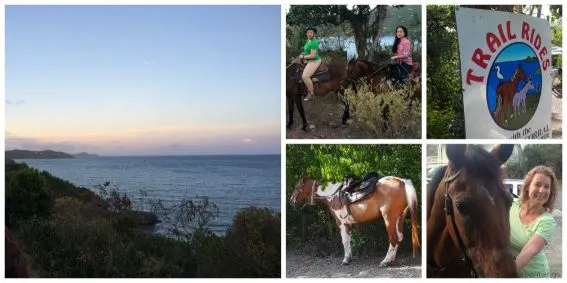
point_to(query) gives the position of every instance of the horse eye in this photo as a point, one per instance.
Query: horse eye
(465, 207)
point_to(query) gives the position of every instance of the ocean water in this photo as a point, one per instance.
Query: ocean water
(231, 182)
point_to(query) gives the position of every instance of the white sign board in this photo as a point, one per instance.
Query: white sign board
(505, 73)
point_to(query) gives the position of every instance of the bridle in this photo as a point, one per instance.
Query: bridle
(450, 216)
(312, 197)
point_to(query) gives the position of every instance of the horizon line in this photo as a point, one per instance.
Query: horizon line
(149, 155)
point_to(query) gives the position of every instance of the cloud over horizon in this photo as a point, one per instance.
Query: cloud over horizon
(19, 102)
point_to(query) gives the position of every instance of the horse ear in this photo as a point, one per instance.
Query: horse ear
(502, 152)
(456, 154)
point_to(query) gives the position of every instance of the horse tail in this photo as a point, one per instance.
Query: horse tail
(411, 196)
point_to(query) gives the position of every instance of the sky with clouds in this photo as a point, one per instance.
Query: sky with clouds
(143, 80)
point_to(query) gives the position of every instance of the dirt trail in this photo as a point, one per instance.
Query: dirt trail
(324, 115)
(302, 265)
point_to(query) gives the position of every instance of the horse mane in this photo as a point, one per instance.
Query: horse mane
(515, 73)
(291, 70)
(480, 163)
(438, 175)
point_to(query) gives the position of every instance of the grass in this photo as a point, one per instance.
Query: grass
(516, 122)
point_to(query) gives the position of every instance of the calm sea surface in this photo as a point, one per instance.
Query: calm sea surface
(231, 182)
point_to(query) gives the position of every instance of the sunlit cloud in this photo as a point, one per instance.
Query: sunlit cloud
(19, 102)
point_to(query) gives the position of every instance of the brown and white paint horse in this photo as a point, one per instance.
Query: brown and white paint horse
(392, 198)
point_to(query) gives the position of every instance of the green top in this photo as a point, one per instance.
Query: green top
(520, 234)
(309, 45)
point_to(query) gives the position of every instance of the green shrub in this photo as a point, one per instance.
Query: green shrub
(83, 239)
(402, 118)
(255, 238)
(25, 196)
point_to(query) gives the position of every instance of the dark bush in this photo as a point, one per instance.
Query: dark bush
(255, 238)
(75, 233)
(25, 196)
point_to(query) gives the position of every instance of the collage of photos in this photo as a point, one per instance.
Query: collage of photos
(155, 141)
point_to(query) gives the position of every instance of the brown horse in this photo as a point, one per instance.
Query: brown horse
(468, 228)
(329, 80)
(505, 92)
(375, 73)
(387, 197)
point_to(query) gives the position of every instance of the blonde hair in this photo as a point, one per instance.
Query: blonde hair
(524, 193)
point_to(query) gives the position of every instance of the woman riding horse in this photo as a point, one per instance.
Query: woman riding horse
(311, 55)
(401, 64)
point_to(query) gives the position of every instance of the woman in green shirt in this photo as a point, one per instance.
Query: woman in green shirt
(311, 55)
(531, 224)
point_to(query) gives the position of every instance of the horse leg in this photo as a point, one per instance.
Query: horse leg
(299, 103)
(345, 235)
(290, 107)
(346, 113)
(394, 235)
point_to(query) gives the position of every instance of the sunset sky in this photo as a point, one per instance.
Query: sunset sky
(146, 80)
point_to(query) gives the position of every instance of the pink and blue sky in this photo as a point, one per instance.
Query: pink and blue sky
(143, 80)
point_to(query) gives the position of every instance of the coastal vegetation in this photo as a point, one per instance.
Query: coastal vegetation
(55, 229)
(44, 154)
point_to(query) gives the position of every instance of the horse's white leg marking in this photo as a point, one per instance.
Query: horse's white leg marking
(400, 234)
(346, 243)
(390, 256)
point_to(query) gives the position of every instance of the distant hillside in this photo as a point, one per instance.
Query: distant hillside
(44, 154)
(84, 155)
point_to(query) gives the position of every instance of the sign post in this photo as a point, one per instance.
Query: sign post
(505, 73)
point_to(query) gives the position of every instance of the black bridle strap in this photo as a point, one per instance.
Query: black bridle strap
(449, 214)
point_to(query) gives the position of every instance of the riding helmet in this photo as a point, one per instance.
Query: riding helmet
(311, 28)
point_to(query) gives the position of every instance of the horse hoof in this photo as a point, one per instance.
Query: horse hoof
(384, 264)
(305, 129)
(346, 262)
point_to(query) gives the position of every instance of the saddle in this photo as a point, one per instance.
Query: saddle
(415, 70)
(322, 74)
(357, 190)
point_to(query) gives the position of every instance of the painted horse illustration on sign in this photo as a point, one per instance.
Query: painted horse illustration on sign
(520, 98)
(506, 91)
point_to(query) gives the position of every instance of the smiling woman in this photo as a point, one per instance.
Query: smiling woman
(532, 225)
(484, 221)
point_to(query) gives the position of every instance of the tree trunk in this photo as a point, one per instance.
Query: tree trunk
(381, 14)
(532, 7)
(359, 37)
